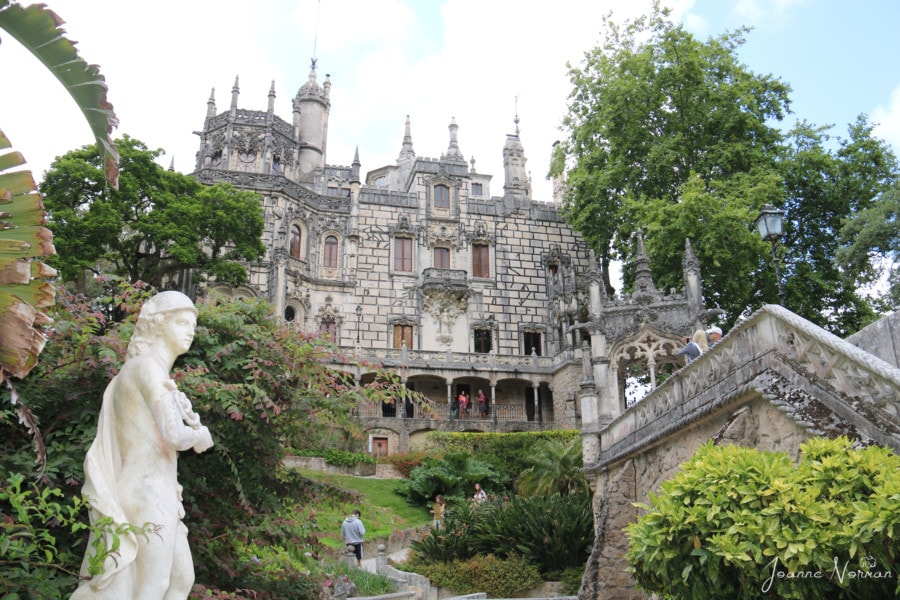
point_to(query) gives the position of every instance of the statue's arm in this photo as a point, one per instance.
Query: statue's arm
(169, 416)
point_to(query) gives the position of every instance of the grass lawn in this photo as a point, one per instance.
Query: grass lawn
(383, 510)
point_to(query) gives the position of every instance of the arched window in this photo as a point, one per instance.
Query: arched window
(441, 196)
(296, 237)
(290, 313)
(331, 252)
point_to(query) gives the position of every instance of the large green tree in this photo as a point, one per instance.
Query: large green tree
(653, 106)
(676, 136)
(157, 225)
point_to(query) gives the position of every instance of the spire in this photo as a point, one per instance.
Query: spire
(453, 149)
(172, 164)
(407, 152)
(644, 288)
(235, 92)
(211, 104)
(516, 177)
(271, 107)
(354, 168)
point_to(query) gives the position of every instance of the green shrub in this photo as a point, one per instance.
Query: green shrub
(367, 584)
(570, 577)
(740, 523)
(340, 458)
(405, 462)
(553, 533)
(497, 577)
(507, 453)
(453, 476)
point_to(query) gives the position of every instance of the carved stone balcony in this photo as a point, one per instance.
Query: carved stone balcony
(445, 282)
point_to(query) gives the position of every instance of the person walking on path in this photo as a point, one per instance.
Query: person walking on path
(353, 530)
(438, 512)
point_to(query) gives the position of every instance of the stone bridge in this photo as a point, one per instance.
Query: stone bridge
(772, 383)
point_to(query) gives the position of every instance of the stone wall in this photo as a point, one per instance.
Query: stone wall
(881, 338)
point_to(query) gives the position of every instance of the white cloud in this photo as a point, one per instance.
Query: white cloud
(888, 120)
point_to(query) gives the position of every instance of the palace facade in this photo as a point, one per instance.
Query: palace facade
(424, 268)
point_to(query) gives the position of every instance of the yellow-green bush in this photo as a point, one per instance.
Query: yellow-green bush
(497, 577)
(740, 523)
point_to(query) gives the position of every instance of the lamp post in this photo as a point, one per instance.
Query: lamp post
(358, 321)
(769, 223)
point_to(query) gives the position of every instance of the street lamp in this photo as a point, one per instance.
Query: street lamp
(770, 226)
(358, 321)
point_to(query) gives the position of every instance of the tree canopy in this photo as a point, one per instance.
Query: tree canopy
(157, 225)
(676, 136)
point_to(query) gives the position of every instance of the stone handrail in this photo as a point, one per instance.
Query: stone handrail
(771, 343)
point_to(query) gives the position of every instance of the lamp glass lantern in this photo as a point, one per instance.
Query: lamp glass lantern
(769, 223)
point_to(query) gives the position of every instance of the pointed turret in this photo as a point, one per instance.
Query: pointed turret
(271, 108)
(211, 104)
(453, 149)
(235, 92)
(516, 178)
(644, 288)
(354, 167)
(311, 107)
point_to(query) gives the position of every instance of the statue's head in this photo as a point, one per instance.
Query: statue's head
(156, 314)
(165, 302)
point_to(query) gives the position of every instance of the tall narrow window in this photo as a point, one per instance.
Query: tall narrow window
(481, 260)
(441, 258)
(403, 250)
(482, 339)
(328, 329)
(441, 196)
(295, 241)
(331, 252)
(403, 333)
(532, 342)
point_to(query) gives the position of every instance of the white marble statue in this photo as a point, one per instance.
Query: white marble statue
(130, 468)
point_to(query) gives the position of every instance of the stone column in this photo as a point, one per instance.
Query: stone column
(494, 401)
(449, 399)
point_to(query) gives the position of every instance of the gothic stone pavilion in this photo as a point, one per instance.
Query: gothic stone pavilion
(420, 268)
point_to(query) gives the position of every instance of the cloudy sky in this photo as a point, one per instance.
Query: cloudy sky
(478, 61)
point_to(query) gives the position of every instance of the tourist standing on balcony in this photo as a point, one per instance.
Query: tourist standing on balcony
(482, 404)
(463, 404)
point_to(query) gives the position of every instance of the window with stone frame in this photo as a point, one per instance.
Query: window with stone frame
(481, 260)
(441, 258)
(532, 342)
(403, 254)
(328, 329)
(403, 332)
(330, 259)
(441, 196)
(296, 239)
(482, 340)
(477, 189)
(290, 313)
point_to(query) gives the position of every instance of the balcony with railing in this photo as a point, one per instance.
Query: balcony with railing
(445, 281)
(442, 413)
